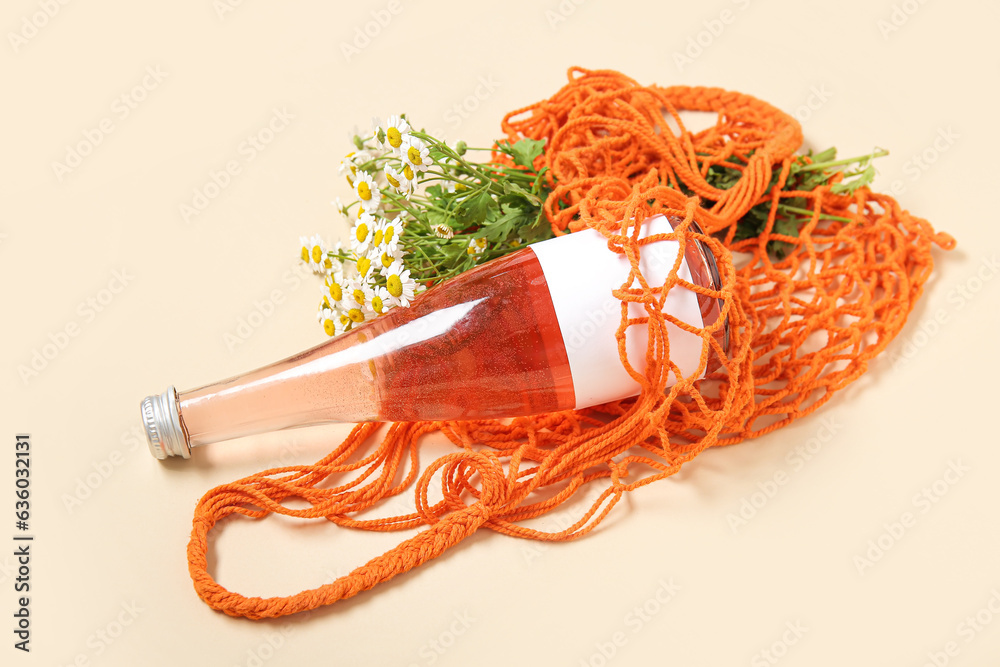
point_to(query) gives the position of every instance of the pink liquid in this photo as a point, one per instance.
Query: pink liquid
(485, 344)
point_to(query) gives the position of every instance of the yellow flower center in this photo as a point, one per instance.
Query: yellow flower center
(305, 254)
(359, 296)
(377, 237)
(317, 253)
(394, 137)
(392, 181)
(377, 304)
(328, 327)
(413, 155)
(481, 242)
(344, 319)
(336, 291)
(386, 260)
(390, 231)
(327, 263)
(408, 172)
(361, 212)
(394, 285)
(362, 232)
(356, 315)
(325, 304)
(363, 265)
(364, 191)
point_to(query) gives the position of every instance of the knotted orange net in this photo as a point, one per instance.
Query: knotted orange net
(800, 329)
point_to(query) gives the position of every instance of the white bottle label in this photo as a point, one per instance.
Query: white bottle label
(581, 273)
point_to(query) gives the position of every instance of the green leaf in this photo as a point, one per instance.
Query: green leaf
(513, 200)
(537, 230)
(436, 217)
(723, 177)
(475, 208)
(525, 151)
(786, 226)
(435, 191)
(510, 187)
(513, 216)
(436, 153)
(752, 223)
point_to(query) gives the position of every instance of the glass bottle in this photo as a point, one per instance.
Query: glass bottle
(528, 333)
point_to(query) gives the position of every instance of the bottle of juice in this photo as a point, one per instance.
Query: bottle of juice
(528, 333)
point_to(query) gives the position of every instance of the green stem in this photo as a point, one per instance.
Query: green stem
(422, 202)
(805, 211)
(879, 152)
(406, 208)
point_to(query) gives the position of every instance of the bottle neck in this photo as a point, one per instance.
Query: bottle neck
(332, 382)
(164, 432)
(705, 272)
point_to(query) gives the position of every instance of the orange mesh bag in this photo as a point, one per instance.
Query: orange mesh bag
(799, 329)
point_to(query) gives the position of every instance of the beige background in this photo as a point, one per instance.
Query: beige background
(110, 548)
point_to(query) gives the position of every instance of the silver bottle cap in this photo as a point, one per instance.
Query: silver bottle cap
(164, 433)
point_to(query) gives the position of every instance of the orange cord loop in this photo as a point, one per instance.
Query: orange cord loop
(800, 329)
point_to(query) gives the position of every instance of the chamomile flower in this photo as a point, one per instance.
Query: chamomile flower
(476, 246)
(347, 164)
(362, 234)
(409, 177)
(305, 251)
(398, 180)
(342, 322)
(399, 284)
(339, 205)
(350, 164)
(354, 295)
(328, 263)
(376, 128)
(383, 259)
(368, 193)
(415, 154)
(448, 186)
(378, 234)
(397, 131)
(313, 253)
(377, 300)
(333, 288)
(365, 266)
(327, 319)
(356, 315)
(391, 231)
(443, 231)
